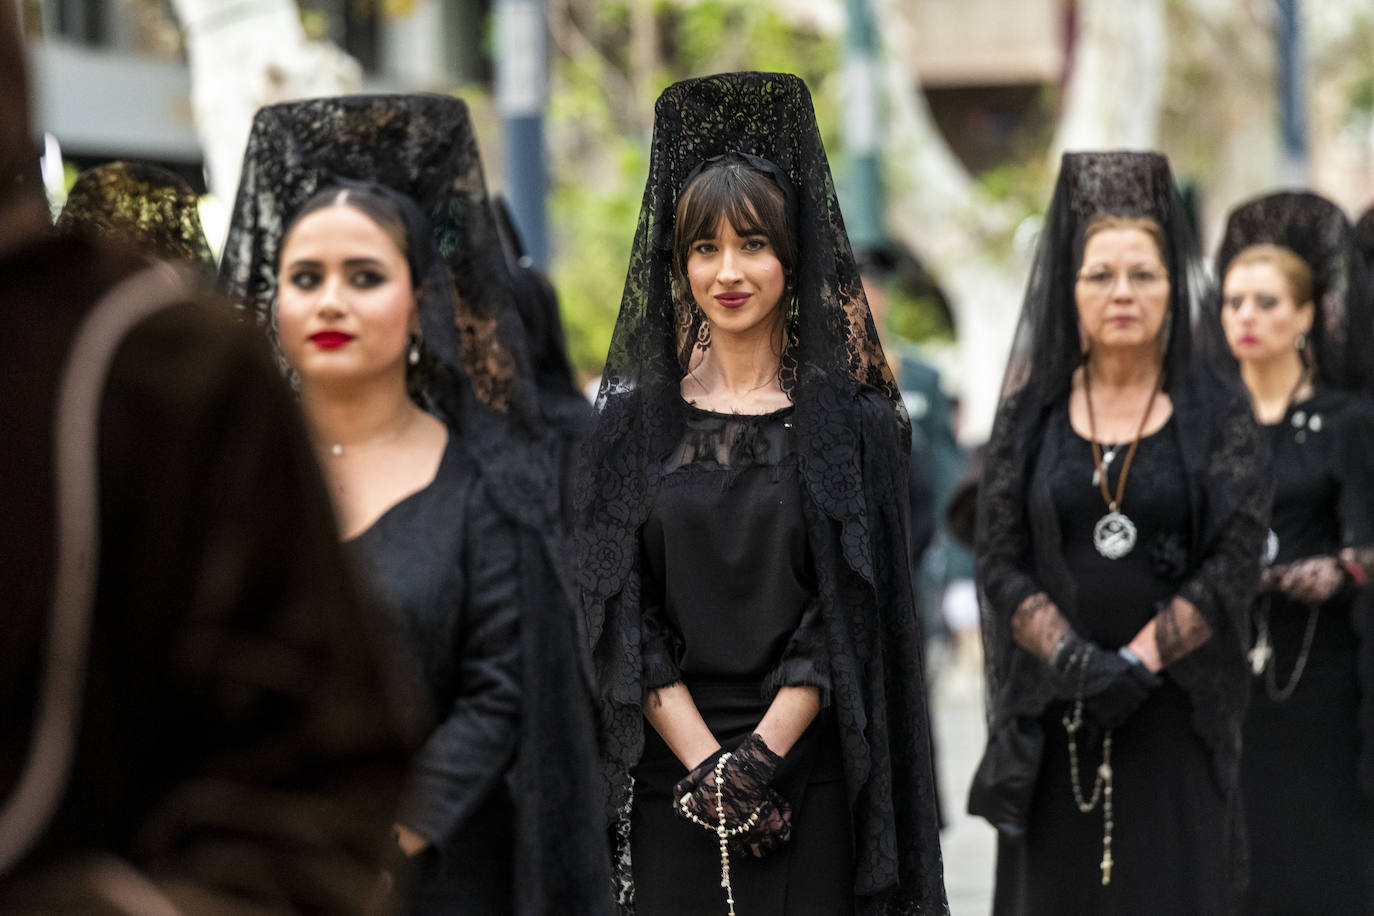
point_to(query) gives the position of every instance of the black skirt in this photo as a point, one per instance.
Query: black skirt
(1171, 837)
(677, 868)
(1311, 831)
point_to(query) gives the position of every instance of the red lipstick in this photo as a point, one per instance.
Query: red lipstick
(732, 300)
(330, 340)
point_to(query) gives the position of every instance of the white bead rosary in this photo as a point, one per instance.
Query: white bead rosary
(722, 832)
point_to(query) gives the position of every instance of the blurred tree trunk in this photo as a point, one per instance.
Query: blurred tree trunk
(937, 210)
(244, 56)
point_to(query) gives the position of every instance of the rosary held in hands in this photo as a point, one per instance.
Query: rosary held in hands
(750, 816)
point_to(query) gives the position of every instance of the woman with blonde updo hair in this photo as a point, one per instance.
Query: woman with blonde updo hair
(1296, 318)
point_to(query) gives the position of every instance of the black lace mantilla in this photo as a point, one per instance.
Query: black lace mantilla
(422, 146)
(853, 437)
(1315, 228)
(133, 203)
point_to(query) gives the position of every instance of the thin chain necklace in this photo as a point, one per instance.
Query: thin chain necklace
(1115, 535)
(338, 449)
(736, 399)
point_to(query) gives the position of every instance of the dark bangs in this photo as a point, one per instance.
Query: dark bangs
(748, 198)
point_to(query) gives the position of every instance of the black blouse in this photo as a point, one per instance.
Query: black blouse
(729, 586)
(1323, 477)
(443, 565)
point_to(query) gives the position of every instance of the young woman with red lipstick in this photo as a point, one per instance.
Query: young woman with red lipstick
(1296, 316)
(388, 299)
(743, 567)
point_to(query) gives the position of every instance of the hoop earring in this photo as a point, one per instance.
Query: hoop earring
(1301, 341)
(413, 354)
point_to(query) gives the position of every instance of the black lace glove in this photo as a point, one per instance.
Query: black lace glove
(1313, 580)
(1111, 685)
(760, 820)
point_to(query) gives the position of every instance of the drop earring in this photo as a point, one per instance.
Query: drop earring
(413, 354)
(1301, 341)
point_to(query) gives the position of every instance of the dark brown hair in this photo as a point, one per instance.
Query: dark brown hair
(374, 206)
(750, 199)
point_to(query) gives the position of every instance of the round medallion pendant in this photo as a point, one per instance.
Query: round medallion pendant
(1114, 535)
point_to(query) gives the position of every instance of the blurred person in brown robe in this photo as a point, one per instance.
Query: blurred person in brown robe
(192, 718)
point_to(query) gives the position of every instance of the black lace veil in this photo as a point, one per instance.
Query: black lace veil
(1046, 349)
(421, 146)
(853, 458)
(140, 205)
(1342, 335)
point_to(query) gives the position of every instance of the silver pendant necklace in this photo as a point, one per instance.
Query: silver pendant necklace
(1115, 534)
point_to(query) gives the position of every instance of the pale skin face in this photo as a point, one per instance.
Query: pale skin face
(737, 281)
(345, 306)
(1122, 290)
(1258, 314)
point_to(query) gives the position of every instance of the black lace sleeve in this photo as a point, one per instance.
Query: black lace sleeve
(805, 660)
(1003, 534)
(1217, 595)
(1018, 612)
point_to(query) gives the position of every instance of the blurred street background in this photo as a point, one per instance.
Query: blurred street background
(943, 119)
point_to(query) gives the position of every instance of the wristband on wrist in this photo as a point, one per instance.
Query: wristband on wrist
(1128, 653)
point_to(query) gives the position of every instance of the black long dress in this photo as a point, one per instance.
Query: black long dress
(443, 565)
(1170, 840)
(731, 612)
(1311, 833)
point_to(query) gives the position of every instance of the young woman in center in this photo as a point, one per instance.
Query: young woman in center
(743, 569)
